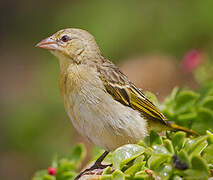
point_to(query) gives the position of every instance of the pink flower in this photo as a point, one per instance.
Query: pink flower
(191, 60)
(51, 171)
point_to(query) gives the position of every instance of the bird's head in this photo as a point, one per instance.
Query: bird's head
(73, 45)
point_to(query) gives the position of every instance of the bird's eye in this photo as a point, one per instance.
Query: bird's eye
(65, 38)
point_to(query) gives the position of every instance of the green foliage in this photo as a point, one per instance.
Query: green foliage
(172, 156)
(191, 109)
(188, 158)
(66, 168)
(125, 154)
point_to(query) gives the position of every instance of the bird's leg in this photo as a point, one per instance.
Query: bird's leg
(97, 165)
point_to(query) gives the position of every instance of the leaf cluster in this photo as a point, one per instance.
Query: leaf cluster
(191, 109)
(173, 156)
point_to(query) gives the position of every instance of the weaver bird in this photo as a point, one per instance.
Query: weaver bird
(104, 106)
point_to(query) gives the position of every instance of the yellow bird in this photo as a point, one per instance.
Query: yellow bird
(103, 105)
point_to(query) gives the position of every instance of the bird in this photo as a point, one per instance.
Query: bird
(103, 104)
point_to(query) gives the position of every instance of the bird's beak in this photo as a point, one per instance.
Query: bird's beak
(48, 43)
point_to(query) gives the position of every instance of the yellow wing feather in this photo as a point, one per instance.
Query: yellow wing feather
(122, 90)
(141, 103)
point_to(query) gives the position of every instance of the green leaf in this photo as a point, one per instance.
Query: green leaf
(207, 102)
(125, 154)
(65, 165)
(186, 118)
(141, 177)
(208, 154)
(142, 142)
(176, 177)
(196, 146)
(134, 168)
(210, 92)
(107, 170)
(48, 177)
(207, 90)
(210, 137)
(139, 173)
(171, 98)
(165, 171)
(204, 114)
(178, 140)
(199, 164)
(118, 175)
(39, 175)
(183, 156)
(185, 99)
(107, 177)
(160, 149)
(68, 175)
(203, 121)
(199, 169)
(155, 138)
(156, 160)
(168, 106)
(139, 159)
(168, 145)
(77, 154)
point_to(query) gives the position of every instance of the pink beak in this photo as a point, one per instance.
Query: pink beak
(48, 43)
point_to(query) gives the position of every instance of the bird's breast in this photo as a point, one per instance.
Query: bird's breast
(95, 114)
(80, 88)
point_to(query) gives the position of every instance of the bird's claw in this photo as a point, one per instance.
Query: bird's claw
(96, 166)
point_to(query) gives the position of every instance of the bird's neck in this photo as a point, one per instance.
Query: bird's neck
(64, 61)
(64, 64)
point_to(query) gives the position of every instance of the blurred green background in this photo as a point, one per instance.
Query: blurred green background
(33, 124)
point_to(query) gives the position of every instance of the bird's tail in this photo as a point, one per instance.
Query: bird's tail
(181, 128)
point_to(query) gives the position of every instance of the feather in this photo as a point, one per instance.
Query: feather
(122, 90)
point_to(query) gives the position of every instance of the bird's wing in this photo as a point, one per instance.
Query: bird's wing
(122, 90)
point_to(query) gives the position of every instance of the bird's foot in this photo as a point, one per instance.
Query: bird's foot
(96, 166)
